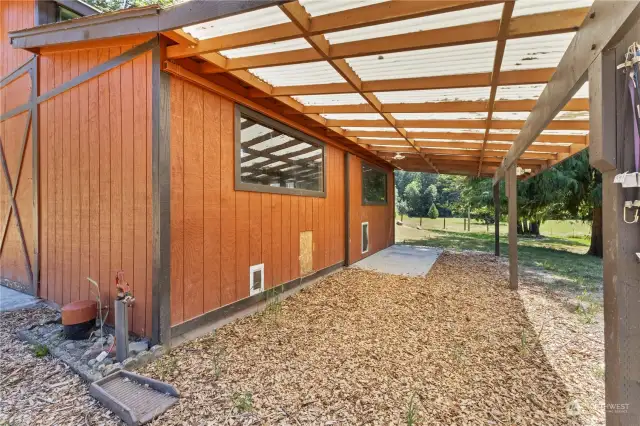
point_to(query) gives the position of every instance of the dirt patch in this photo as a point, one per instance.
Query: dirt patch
(456, 347)
(359, 347)
(41, 390)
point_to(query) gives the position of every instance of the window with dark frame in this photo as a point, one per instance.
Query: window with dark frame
(374, 185)
(273, 157)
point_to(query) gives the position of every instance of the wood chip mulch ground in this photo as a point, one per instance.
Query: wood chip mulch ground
(359, 347)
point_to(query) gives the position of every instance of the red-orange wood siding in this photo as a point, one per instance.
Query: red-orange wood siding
(15, 15)
(240, 228)
(95, 177)
(380, 218)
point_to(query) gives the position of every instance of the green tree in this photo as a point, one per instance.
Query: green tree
(403, 208)
(433, 212)
(412, 195)
(111, 5)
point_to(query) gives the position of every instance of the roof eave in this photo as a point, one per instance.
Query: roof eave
(137, 21)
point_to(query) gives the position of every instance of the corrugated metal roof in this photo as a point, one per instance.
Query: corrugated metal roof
(435, 95)
(336, 99)
(440, 116)
(324, 7)
(448, 60)
(263, 49)
(443, 20)
(299, 74)
(353, 116)
(535, 52)
(238, 23)
(530, 7)
(522, 115)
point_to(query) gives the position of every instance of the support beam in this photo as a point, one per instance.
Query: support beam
(612, 152)
(496, 206)
(606, 24)
(512, 193)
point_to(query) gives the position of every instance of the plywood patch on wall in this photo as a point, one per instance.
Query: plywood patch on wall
(306, 252)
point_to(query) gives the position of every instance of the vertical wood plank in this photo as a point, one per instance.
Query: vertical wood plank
(286, 238)
(309, 214)
(227, 204)
(316, 233)
(242, 244)
(94, 172)
(127, 184)
(266, 240)
(66, 184)
(294, 238)
(140, 214)
(74, 171)
(149, 193)
(44, 181)
(83, 178)
(255, 228)
(115, 210)
(193, 199)
(512, 182)
(105, 182)
(58, 183)
(276, 238)
(211, 201)
(177, 201)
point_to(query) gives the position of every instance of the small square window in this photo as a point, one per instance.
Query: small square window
(374, 185)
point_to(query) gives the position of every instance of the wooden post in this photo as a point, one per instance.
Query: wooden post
(469, 218)
(512, 193)
(611, 151)
(496, 205)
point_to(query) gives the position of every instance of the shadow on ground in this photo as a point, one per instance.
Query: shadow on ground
(563, 260)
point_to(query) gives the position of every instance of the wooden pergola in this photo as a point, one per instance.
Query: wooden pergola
(455, 120)
(477, 88)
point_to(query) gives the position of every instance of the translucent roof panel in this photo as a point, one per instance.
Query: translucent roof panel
(443, 20)
(425, 62)
(441, 116)
(522, 115)
(386, 139)
(337, 99)
(530, 7)
(535, 52)
(298, 74)
(238, 23)
(531, 91)
(544, 132)
(435, 95)
(445, 130)
(353, 116)
(369, 129)
(324, 7)
(263, 49)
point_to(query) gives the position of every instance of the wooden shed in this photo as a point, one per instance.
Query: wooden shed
(204, 195)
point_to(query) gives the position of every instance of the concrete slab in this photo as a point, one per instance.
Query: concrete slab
(414, 261)
(11, 300)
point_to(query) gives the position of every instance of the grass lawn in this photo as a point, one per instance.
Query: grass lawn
(561, 255)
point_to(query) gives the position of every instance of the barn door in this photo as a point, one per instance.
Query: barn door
(18, 180)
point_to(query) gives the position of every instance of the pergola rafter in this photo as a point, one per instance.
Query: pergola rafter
(435, 125)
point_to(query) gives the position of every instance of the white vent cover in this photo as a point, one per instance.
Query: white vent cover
(365, 237)
(256, 279)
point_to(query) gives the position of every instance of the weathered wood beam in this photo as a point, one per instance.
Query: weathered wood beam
(565, 139)
(460, 124)
(456, 106)
(496, 219)
(607, 23)
(298, 15)
(507, 11)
